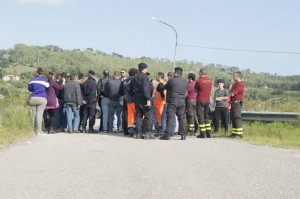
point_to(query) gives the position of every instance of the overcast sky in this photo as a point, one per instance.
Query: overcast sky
(126, 27)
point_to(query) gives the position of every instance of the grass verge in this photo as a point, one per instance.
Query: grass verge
(276, 134)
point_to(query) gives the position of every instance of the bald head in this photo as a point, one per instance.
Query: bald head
(202, 72)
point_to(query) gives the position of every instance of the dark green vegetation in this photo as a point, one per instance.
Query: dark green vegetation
(264, 91)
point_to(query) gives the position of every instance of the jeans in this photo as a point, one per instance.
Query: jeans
(72, 110)
(105, 112)
(115, 107)
(38, 105)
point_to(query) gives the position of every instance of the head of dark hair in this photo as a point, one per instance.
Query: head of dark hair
(80, 76)
(192, 76)
(50, 76)
(72, 76)
(106, 73)
(178, 71)
(64, 75)
(39, 71)
(161, 75)
(133, 71)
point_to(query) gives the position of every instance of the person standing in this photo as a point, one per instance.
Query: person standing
(61, 120)
(52, 107)
(203, 88)
(129, 114)
(80, 81)
(237, 89)
(38, 100)
(176, 94)
(191, 103)
(89, 102)
(73, 101)
(103, 100)
(139, 87)
(159, 101)
(115, 102)
(123, 78)
(221, 106)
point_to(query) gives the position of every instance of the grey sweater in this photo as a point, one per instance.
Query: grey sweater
(221, 93)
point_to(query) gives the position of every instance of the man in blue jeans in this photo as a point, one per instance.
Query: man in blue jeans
(73, 101)
(115, 102)
(103, 100)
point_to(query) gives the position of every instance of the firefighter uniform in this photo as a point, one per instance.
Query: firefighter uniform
(191, 107)
(236, 100)
(203, 88)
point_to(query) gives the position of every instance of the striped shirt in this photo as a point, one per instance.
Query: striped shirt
(37, 86)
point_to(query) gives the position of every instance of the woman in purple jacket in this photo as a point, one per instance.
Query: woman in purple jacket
(38, 100)
(51, 109)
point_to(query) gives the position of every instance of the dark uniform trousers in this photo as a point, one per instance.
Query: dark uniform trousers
(236, 111)
(221, 113)
(124, 118)
(203, 117)
(179, 110)
(89, 112)
(143, 119)
(191, 115)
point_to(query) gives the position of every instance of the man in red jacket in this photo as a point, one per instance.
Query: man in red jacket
(203, 88)
(237, 88)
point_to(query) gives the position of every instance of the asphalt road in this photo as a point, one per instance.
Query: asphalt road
(106, 166)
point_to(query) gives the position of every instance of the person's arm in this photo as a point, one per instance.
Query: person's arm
(79, 99)
(121, 89)
(57, 86)
(146, 88)
(30, 87)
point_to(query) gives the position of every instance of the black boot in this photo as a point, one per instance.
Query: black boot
(183, 137)
(208, 135)
(165, 137)
(50, 131)
(201, 135)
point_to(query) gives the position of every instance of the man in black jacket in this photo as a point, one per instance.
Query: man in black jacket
(139, 87)
(89, 103)
(176, 93)
(115, 102)
(103, 100)
(73, 100)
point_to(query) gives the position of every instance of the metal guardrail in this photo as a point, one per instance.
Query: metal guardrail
(270, 116)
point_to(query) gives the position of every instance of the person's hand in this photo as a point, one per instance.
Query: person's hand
(148, 103)
(84, 102)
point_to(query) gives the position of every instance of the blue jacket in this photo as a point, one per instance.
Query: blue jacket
(37, 86)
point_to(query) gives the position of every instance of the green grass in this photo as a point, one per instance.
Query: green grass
(276, 134)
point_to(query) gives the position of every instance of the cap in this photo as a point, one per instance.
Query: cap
(92, 72)
(142, 66)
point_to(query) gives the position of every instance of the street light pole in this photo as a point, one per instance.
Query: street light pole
(176, 43)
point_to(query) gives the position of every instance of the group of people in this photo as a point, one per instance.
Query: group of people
(135, 105)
